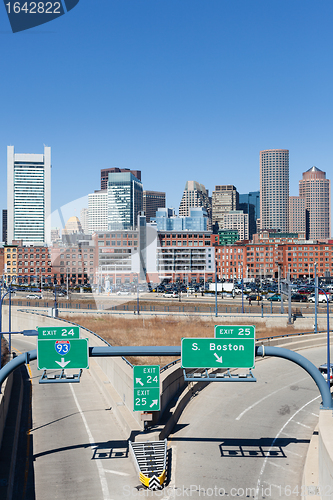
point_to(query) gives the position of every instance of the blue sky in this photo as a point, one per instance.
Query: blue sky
(179, 89)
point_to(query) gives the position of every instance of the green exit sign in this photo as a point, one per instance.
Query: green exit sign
(235, 331)
(59, 332)
(218, 352)
(146, 388)
(59, 354)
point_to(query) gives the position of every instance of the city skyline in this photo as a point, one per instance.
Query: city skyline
(199, 104)
(271, 162)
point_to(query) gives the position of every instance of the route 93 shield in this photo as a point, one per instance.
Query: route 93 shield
(62, 347)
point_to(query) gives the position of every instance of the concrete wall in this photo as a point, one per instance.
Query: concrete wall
(325, 449)
(6, 390)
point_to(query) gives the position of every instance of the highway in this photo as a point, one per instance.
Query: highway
(79, 450)
(242, 440)
(248, 440)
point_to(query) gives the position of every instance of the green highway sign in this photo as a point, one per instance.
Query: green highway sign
(217, 353)
(234, 331)
(58, 354)
(146, 381)
(59, 332)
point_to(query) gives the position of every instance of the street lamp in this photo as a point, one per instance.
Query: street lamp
(9, 321)
(328, 338)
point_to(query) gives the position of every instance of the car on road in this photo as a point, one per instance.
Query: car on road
(299, 297)
(169, 295)
(254, 297)
(275, 298)
(33, 296)
(323, 370)
(123, 292)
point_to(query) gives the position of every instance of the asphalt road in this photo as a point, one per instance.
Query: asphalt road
(78, 449)
(234, 440)
(248, 440)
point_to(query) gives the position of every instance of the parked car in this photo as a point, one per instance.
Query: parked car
(323, 371)
(321, 298)
(299, 297)
(33, 296)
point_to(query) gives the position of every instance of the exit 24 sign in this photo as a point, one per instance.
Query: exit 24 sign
(146, 380)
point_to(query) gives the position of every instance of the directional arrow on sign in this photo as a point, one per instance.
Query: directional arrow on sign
(62, 363)
(138, 381)
(155, 402)
(218, 358)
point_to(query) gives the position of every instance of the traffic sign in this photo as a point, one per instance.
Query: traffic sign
(59, 332)
(62, 353)
(234, 331)
(146, 380)
(217, 353)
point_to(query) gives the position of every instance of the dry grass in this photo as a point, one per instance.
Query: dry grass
(154, 331)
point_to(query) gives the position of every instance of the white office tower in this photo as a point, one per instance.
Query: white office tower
(84, 219)
(29, 197)
(98, 211)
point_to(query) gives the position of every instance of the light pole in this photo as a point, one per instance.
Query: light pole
(216, 289)
(328, 339)
(137, 295)
(316, 298)
(9, 321)
(242, 293)
(279, 286)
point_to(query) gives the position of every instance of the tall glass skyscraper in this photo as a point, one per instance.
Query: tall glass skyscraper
(274, 189)
(29, 197)
(124, 200)
(250, 204)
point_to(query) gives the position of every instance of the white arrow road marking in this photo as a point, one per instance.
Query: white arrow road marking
(218, 358)
(155, 401)
(62, 363)
(138, 381)
(116, 472)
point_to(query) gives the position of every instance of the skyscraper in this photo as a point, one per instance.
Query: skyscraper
(316, 190)
(274, 189)
(250, 204)
(106, 171)
(195, 195)
(98, 211)
(298, 215)
(152, 201)
(124, 200)
(224, 199)
(29, 197)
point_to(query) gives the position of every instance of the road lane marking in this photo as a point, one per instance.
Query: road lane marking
(116, 472)
(101, 473)
(274, 440)
(294, 453)
(268, 396)
(281, 467)
(303, 425)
